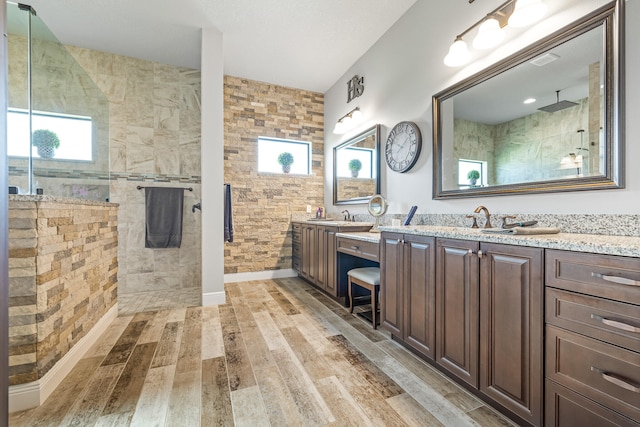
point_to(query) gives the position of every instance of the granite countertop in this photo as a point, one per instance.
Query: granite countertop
(334, 222)
(56, 199)
(592, 243)
(363, 236)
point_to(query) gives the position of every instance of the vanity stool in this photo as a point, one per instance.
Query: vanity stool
(368, 278)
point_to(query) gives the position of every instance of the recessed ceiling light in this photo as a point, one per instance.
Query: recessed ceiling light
(529, 100)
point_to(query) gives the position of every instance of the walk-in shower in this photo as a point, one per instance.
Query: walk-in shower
(58, 118)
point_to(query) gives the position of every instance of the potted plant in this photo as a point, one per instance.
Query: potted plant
(285, 159)
(354, 166)
(473, 176)
(46, 141)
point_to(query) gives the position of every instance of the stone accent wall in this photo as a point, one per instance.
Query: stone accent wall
(63, 265)
(350, 188)
(263, 203)
(154, 133)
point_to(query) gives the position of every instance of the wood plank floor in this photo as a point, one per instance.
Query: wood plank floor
(279, 353)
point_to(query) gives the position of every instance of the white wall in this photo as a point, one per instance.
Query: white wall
(404, 69)
(212, 149)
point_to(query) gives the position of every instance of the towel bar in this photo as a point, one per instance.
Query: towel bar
(140, 187)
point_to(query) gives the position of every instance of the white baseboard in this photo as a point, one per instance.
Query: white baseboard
(30, 395)
(213, 298)
(260, 275)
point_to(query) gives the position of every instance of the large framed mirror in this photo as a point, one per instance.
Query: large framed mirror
(356, 168)
(548, 118)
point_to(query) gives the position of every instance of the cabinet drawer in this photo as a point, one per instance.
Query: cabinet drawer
(602, 372)
(296, 250)
(296, 264)
(606, 276)
(366, 250)
(611, 321)
(565, 408)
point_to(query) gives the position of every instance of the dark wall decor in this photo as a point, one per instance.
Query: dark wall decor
(355, 87)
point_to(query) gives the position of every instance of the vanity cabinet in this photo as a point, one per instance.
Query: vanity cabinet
(407, 289)
(592, 340)
(489, 311)
(314, 253)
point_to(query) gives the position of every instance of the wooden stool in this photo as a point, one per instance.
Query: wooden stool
(368, 278)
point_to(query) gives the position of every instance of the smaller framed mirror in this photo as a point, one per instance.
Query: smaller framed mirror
(377, 207)
(356, 168)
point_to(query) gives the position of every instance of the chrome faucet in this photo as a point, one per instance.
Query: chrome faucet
(347, 216)
(487, 215)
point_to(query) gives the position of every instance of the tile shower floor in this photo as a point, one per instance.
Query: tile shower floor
(158, 300)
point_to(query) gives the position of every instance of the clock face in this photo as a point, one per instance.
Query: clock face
(403, 146)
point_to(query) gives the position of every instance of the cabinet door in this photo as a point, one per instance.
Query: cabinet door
(330, 261)
(457, 304)
(511, 322)
(391, 276)
(308, 250)
(321, 257)
(419, 294)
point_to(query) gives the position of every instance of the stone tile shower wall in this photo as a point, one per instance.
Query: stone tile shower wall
(263, 203)
(63, 269)
(154, 141)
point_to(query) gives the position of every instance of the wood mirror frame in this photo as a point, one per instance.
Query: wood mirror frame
(609, 20)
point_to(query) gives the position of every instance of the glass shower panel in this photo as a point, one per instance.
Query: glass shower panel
(66, 130)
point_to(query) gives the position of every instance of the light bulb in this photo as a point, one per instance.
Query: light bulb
(339, 129)
(357, 116)
(489, 34)
(526, 12)
(458, 54)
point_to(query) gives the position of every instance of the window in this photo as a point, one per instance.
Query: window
(74, 132)
(270, 148)
(466, 166)
(364, 155)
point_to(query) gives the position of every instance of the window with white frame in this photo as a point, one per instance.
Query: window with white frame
(466, 177)
(349, 154)
(270, 150)
(74, 134)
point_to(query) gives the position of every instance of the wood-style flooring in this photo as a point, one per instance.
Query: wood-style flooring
(278, 353)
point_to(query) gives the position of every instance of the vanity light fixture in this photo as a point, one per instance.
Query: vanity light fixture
(347, 122)
(516, 13)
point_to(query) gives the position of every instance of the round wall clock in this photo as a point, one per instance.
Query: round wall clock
(403, 146)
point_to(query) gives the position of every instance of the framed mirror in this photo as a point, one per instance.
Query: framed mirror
(548, 118)
(356, 168)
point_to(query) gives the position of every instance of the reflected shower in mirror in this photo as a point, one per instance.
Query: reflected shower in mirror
(545, 119)
(356, 168)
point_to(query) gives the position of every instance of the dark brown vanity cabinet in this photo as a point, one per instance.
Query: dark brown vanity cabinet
(314, 253)
(592, 340)
(489, 311)
(408, 289)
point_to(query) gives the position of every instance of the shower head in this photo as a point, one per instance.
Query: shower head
(558, 105)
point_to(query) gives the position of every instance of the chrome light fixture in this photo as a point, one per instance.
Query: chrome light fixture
(349, 121)
(515, 13)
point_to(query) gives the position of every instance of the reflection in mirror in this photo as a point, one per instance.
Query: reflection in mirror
(356, 168)
(545, 119)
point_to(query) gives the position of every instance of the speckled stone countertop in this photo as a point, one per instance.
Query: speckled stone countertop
(592, 243)
(334, 222)
(363, 236)
(56, 199)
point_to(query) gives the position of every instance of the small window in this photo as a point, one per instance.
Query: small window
(270, 150)
(465, 167)
(363, 155)
(74, 134)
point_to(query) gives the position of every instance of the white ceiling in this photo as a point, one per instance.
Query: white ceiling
(305, 44)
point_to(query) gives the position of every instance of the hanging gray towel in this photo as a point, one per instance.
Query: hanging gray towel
(163, 209)
(228, 214)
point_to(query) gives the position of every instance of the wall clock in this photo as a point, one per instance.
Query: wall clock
(403, 146)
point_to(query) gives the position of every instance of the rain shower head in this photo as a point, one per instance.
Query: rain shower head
(558, 105)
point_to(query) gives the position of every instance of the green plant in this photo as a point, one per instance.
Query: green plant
(355, 165)
(46, 142)
(473, 174)
(45, 138)
(285, 159)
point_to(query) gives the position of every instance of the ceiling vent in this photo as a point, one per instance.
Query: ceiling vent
(544, 59)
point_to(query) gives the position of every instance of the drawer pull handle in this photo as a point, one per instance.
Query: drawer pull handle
(616, 279)
(355, 248)
(616, 324)
(617, 380)
(479, 253)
